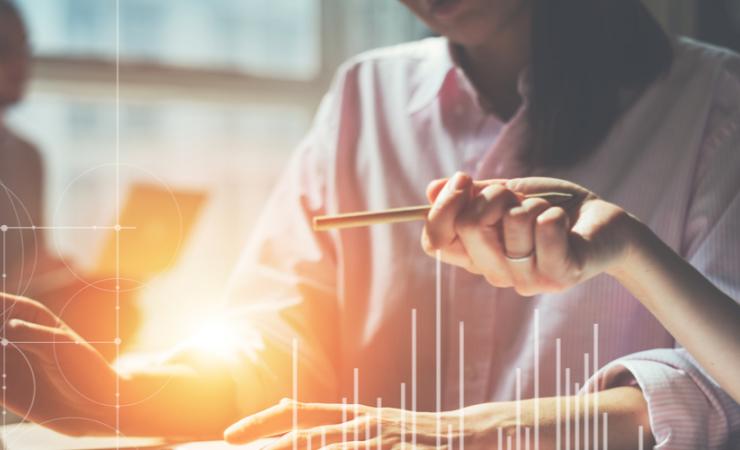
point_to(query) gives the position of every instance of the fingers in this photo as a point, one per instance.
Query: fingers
(480, 234)
(519, 243)
(553, 254)
(314, 437)
(450, 198)
(278, 419)
(436, 186)
(536, 185)
(518, 225)
(440, 226)
(494, 229)
(23, 308)
(34, 338)
(439, 231)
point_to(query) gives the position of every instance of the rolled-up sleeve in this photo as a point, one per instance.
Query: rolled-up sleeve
(689, 410)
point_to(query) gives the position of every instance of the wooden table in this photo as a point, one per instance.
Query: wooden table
(28, 436)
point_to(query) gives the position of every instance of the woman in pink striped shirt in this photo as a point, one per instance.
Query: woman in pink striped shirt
(590, 91)
(582, 69)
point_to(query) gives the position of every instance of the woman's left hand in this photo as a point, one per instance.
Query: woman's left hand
(491, 229)
(339, 426)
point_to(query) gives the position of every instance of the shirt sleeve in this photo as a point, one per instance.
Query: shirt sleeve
(687, 409)
(282, 295)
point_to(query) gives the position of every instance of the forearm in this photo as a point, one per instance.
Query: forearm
(565, 419)
(624, 407)
(701, 317)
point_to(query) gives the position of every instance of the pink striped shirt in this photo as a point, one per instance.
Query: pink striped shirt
(399, 117)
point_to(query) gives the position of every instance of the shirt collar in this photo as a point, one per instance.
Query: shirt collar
(437, 65)
(441, 60)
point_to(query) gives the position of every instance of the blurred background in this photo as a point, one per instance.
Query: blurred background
(213, 97)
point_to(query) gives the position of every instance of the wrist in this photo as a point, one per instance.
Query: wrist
(483, 422)
(638, 240)
(641, 265)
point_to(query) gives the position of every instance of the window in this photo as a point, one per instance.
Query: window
(277, 38)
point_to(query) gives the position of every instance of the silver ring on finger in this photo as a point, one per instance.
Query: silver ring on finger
(516, 259)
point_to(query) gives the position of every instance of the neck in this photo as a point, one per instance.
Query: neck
(494, 66)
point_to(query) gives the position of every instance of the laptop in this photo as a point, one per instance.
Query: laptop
(155, 225)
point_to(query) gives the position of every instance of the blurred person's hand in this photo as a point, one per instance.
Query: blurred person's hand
(53, 376)
(96, 312)
(490, 228)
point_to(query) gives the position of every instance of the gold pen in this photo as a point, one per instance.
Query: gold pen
(406, 214)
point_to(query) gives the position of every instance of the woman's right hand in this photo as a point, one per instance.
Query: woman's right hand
(52, 376)
(497, 229)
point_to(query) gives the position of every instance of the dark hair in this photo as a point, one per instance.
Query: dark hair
(586, 54)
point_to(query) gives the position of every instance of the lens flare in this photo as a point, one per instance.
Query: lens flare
(218, 337)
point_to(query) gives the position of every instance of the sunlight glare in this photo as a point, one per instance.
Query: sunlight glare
(219, 337)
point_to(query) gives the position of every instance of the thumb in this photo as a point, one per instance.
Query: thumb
(539, 185)
(435, 187)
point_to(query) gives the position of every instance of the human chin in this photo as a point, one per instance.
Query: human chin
(439, 14)
(469, 30)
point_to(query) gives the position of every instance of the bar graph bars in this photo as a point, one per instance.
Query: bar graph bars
(579, 424)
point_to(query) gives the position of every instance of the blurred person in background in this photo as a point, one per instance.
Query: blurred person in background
(31, 266)
(21, 172)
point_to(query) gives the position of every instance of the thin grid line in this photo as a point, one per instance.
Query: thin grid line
(461, 381)
(586, 416)
(70, 227)
(558, 363)
(596, 393)
(5, 341)
(294, 374)
(518, 408)
(605, 434)
(368, 431)
(577, 424)
(356, 406)
(344, 421)
(438, 345)
(118, 218)
(536, 381)
(62, 342)
(413, 376)
(379, 424)
(403, 413)
(567, 408)
(450, 440)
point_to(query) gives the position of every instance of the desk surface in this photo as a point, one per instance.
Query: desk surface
(33, 437)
